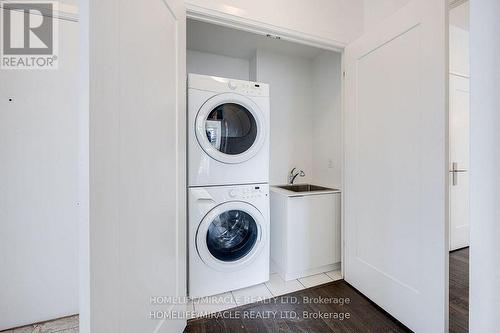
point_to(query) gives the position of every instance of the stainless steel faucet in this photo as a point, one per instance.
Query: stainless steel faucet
(293, 174)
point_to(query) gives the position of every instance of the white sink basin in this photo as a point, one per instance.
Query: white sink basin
(305, 188)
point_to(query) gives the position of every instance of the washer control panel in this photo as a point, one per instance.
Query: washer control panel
(248, 192)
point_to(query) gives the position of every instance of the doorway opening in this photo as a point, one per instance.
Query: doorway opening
(305, 140)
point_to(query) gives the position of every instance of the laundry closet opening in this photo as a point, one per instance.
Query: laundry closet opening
(304, 85)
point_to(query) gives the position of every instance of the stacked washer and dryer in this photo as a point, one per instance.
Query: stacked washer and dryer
(228, 184)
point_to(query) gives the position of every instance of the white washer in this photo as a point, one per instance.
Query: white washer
(228, 238)
(228, 131)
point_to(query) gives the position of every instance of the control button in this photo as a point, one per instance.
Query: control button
(232, 85)
(233, 193)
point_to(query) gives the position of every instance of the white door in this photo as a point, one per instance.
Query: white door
(137, 228)
(459, 162)
(39, 188)
(396, 177)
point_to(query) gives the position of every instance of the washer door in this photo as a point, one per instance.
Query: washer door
(230, 236)
(230, 128)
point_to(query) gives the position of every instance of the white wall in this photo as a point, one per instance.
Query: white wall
(334, 20)
(39, 189)
(253, 67)
(327, 120)
(290, 80)
(485, 163)
(217, 65)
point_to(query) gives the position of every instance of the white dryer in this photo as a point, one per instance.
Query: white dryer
(228, 238)
(228, 131)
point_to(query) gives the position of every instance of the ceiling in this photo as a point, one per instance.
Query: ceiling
(206, 37)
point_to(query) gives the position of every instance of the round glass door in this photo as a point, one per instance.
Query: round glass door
(230, 128)
(231, 235)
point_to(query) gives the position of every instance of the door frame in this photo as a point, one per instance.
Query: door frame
(216, 17)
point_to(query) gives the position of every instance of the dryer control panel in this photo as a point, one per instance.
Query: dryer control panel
(222, 85)
(246, 88)
(248, 192)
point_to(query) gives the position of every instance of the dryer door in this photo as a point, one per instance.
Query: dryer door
(230, 236)
(230, 128)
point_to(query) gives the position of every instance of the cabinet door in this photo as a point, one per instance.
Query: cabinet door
(313, 232)
(396, 176)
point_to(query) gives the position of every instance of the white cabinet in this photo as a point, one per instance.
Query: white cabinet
(305, 233)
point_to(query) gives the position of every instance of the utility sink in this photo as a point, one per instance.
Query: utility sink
(305, 188)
